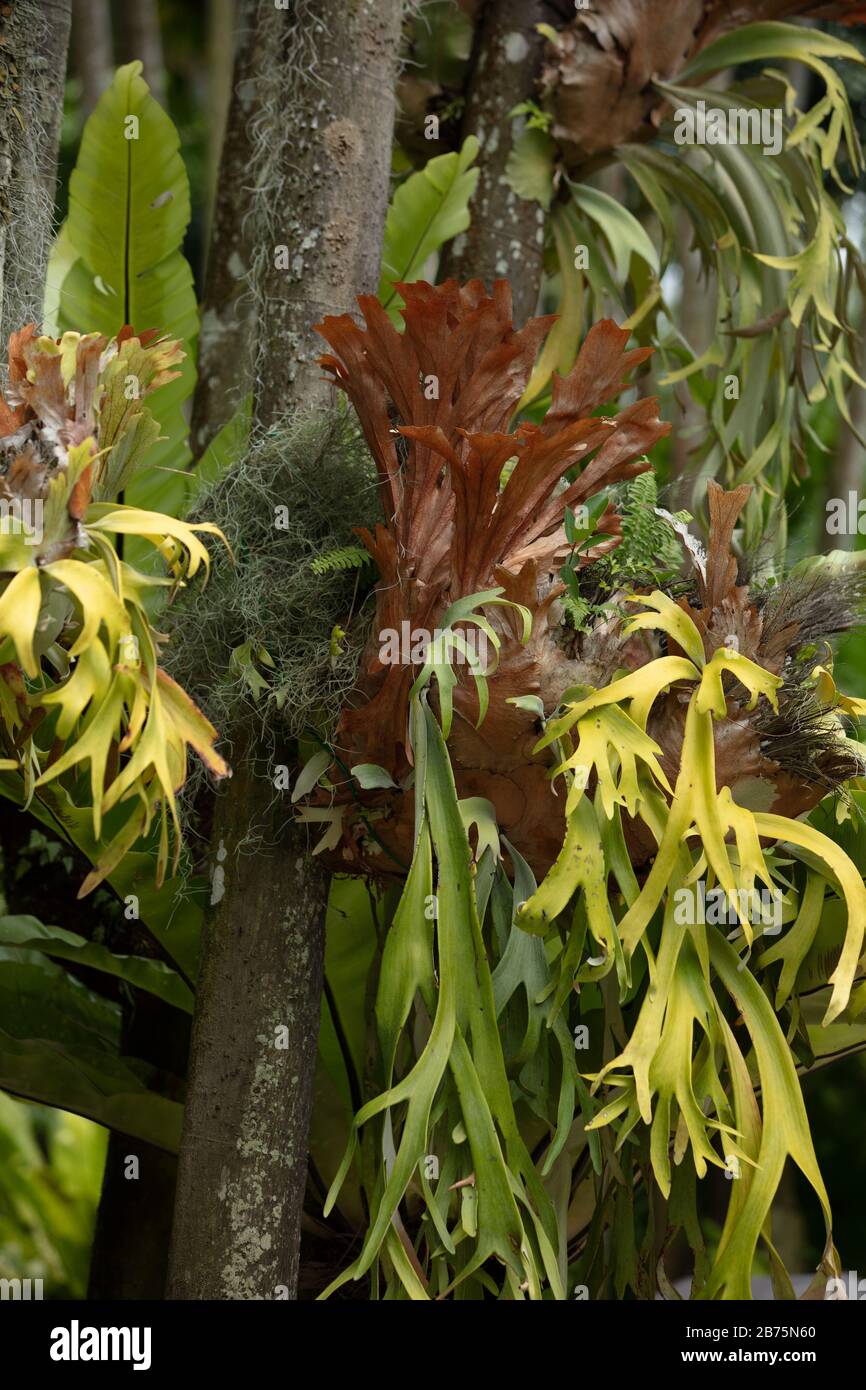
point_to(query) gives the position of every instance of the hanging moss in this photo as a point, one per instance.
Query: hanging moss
(264, 636)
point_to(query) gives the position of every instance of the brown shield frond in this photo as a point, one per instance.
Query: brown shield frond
(472, 502)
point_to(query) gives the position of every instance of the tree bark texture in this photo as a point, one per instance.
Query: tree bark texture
(506, 236)
(320, 106)
(35, 39)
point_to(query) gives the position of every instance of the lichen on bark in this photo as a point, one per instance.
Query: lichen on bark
(320, 140)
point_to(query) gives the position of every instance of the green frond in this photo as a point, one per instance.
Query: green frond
(347, 557)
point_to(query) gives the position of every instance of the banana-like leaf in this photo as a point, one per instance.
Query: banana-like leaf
(128, 211)
(153, 976)
(59, 1044)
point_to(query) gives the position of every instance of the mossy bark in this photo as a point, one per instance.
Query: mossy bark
(322, 115)
(243, 1163)
(34, 38)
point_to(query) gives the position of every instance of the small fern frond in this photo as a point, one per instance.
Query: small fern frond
(347, 557)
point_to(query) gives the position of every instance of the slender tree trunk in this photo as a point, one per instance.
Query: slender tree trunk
(139, 36)
(35, 39)
(506, 235)
(227, 319)
(91, 46)
(129, 1258)
(324, 79)
(221, 22)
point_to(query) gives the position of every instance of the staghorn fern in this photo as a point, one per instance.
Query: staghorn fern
(557, 1033)
(81, 684)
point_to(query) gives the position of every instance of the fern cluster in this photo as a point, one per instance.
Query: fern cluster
(649, 555)
(649, 545)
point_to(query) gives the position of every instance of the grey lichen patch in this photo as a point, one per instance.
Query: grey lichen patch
(254, 1219)
(516, 47)
(236, 266)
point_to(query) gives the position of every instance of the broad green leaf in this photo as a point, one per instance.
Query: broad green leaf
(154, 976)
(784, 1133)
(427, 210)
(563, 340)
(529, 167)
(310, 773)
(128, 212)
(372, 777)
(59, 1044)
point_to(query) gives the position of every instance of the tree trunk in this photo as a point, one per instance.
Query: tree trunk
(506, 235)
(221, 22)
(35, 38)
(225, 336)
(324, 78)
(129, 1258)
(139, 36)
(91, 45)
